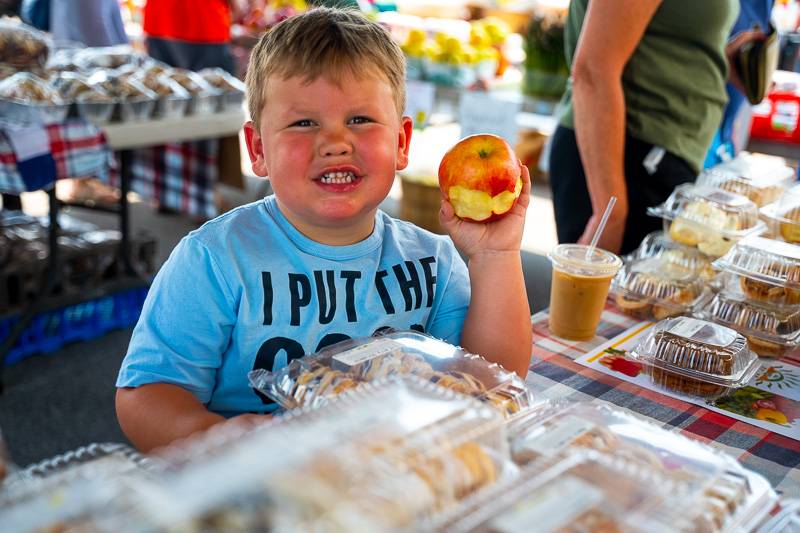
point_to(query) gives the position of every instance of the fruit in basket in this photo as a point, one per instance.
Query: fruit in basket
(480, 176)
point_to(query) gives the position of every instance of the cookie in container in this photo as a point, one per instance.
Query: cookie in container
(695, 357)
(708, 218)
(313, 379)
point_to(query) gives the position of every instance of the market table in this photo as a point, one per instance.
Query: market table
(554, 374)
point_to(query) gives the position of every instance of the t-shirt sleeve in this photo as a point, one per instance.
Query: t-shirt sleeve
(446, 322)
(185, 326)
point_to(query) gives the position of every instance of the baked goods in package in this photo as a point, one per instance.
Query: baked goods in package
(708, 218)
(725, 496)
(783, 216)
(22, 46)
(695, 357)
(583, 491)
(662, 279)
(26, 98)
(381, 458)
(763, 179)
(313, 379)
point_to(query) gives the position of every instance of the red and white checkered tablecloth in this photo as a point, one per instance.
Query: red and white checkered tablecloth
(555, 374)
(78, 148)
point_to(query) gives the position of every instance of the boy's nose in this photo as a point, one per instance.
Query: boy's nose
(335, 144)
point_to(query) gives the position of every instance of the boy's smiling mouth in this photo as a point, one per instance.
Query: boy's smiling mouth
(338, 177)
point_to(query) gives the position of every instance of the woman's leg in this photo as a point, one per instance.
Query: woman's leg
(571, 202)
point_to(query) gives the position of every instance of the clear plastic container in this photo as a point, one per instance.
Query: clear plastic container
(379, 458)
(708, 218)
(771, 330)
(657, 244)
(657, 288)
(172, 98)
(314, 379)
(783, 216)
(761, 184)
(204, 98)
(770, 262)
(584, 491)
(745, 288)
(28, 99)
(231, 89)
(696, 357)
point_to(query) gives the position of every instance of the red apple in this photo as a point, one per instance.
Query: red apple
(480, 176)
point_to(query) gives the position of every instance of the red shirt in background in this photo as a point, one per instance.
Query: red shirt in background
(197, 21)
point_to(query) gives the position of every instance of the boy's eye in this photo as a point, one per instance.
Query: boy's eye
(305, 123)
(360, 120)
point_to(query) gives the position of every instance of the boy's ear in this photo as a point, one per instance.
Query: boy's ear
(255, 149)
(404, 142)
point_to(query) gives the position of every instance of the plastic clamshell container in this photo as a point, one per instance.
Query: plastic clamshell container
(313, 379)
(374, 459)
(783, 216)
(583, 491)
(696, 357)
(136, 109)
(655, 287)
(744, 288)
(762, 187)
(765, 260)
(657, 244)
(96, 112)
(708, 218)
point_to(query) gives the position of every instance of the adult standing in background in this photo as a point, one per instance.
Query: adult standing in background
(91, 22)
(192, 34)
(646, 95)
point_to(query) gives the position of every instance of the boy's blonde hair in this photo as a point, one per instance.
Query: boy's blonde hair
(324, 42)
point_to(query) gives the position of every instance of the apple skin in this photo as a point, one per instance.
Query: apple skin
(480, 177)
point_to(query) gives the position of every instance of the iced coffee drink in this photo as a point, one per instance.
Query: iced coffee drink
(579, 289)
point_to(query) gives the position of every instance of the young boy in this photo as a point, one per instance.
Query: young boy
(317, 262)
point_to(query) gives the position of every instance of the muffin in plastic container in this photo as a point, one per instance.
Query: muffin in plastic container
(783, 216)
(313, 379)
(761, 187)
(766, 264)
(28, 99)
(771, 329)
(658, 244)
(708, 218)
(656, 288)
(584, 491)
(695, 357)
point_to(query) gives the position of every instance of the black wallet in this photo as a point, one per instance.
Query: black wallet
(756, 62)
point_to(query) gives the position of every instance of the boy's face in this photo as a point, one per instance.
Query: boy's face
(331, 152)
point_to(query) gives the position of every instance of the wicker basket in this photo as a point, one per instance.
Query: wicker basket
(420, 204)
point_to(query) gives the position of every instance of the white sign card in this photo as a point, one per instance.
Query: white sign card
(483, 113)
(420, 96)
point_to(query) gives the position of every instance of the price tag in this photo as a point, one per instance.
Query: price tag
(483, 113)
(363, 353)
(420, 96)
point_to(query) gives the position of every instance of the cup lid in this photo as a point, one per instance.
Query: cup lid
(576, 258)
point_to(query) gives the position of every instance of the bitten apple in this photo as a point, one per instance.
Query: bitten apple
(480, 176)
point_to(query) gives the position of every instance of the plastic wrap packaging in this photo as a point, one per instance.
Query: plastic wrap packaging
(205, 98)
(378, 458)
(783, 216)
(173, 98)
(658, 287)
(763, 184)
(584, 491)
(22, 46)
(771, 330)
(696, 357)
(91, 102)
(313, 379)
(708, 218)
(231, 89)
(716, 480)
(28, 99)
(134, 100)
(108, 57)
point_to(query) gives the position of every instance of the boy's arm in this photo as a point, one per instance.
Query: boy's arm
(498, 324)
(158, 414)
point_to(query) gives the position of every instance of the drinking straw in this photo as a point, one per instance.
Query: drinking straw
(601, 226)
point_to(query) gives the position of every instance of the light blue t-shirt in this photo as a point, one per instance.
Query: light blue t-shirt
(247, 290)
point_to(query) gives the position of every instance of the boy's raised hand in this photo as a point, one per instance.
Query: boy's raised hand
(502, 235)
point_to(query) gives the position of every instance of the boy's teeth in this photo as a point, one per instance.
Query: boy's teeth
(337, 177)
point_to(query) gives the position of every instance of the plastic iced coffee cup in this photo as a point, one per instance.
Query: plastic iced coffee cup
(581, 278)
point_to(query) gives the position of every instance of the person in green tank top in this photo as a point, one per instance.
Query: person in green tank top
(646, 94)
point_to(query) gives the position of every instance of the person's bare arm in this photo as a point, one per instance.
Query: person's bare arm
(611, 31)
(157, 414)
